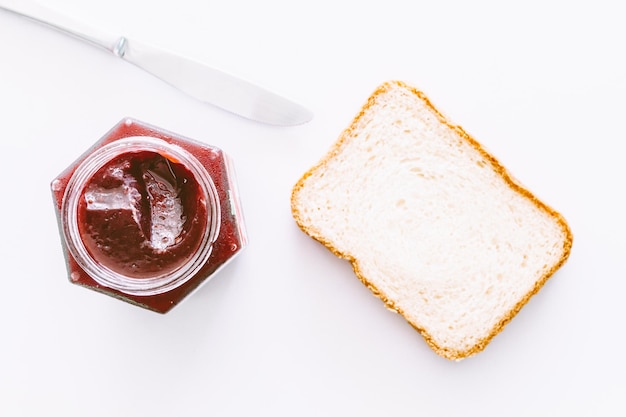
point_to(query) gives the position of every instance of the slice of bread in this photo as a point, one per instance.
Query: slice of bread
(432, 223)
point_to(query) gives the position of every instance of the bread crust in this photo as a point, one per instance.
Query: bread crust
(443, 351)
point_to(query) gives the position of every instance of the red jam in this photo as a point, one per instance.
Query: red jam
(142, 215)
(145, 215)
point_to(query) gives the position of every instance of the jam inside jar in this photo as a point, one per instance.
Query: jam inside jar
(140, 215)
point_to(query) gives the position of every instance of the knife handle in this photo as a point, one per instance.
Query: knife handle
(34, 11)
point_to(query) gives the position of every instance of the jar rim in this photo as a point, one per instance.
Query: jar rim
(104, 275)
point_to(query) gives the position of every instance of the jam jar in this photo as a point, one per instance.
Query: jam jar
(147, 216)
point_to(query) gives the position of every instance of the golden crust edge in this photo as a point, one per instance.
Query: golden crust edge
(480, 345)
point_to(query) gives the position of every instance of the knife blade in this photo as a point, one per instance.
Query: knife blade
(201, 81)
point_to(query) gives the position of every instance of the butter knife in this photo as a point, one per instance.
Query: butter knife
(201, 81)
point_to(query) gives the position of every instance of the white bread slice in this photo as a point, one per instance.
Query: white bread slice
(431, 222)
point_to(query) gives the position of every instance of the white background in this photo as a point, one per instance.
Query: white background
(287, 329)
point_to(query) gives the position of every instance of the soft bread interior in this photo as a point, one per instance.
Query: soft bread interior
(431, 222)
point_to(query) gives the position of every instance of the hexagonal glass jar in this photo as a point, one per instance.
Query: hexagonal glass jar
(147, 216)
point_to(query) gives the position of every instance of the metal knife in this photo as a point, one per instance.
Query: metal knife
(201, 81)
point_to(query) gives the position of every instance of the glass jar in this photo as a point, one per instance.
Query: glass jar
(147, 216)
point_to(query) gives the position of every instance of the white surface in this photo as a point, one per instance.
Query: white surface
(286, 329)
